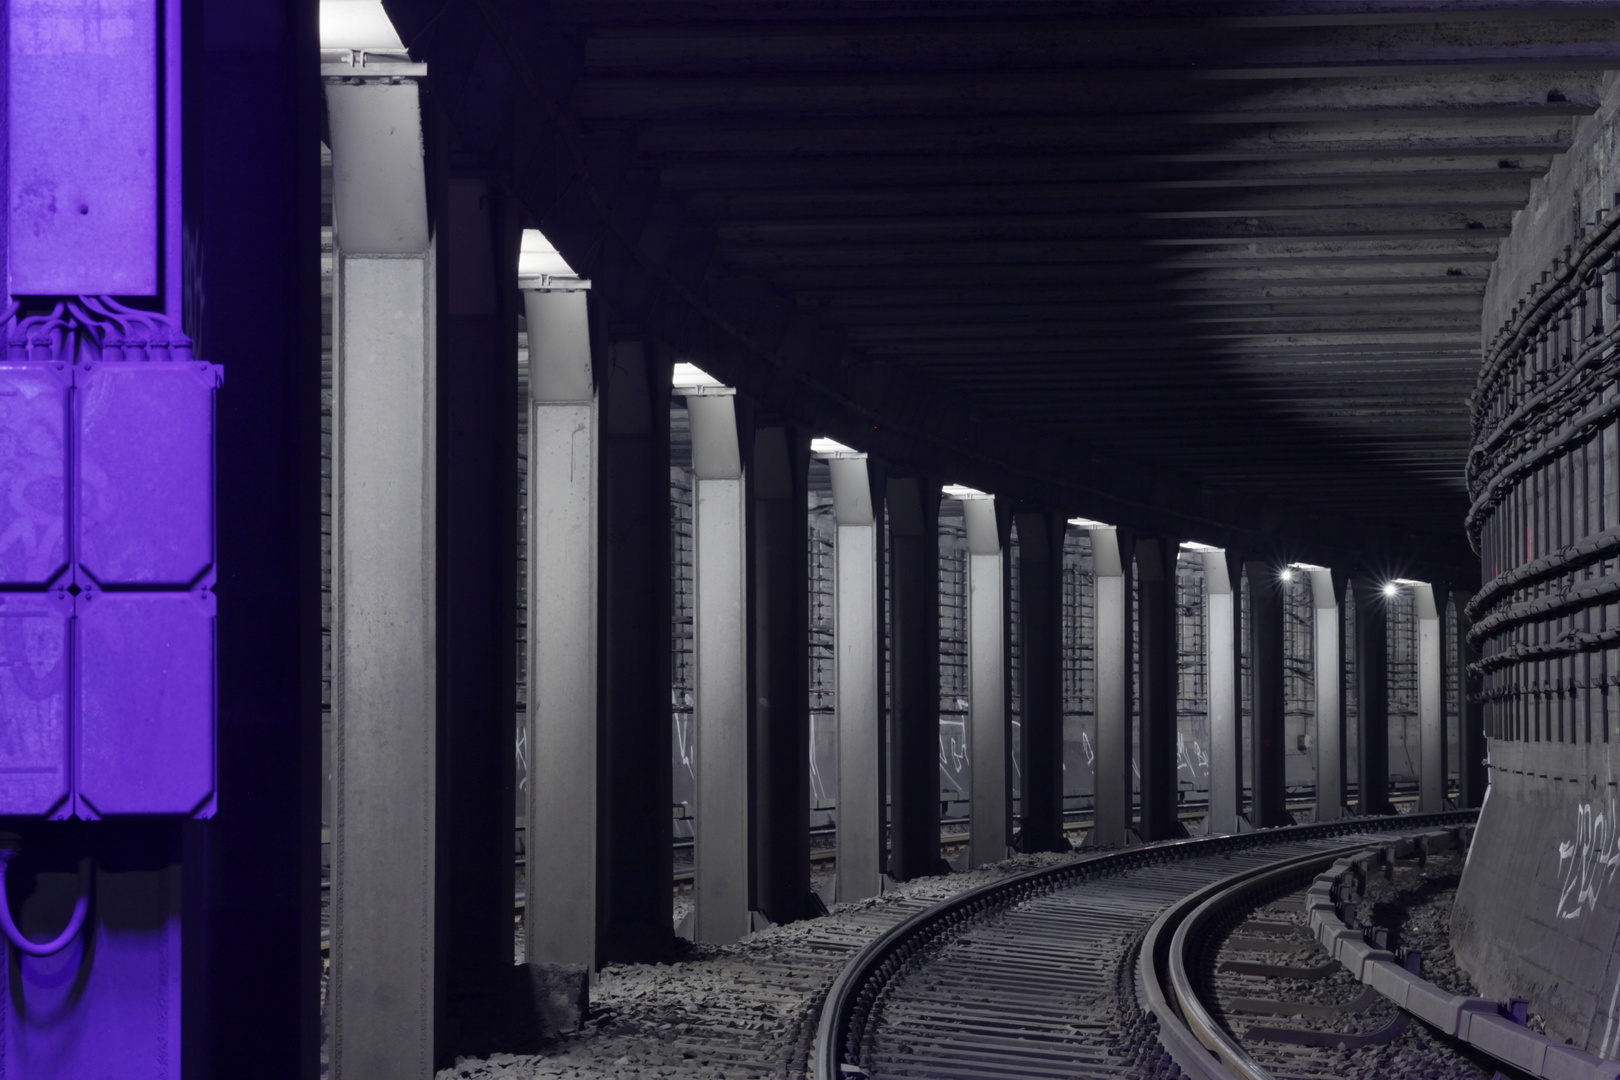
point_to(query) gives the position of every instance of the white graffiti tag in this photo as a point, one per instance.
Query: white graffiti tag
(1588, 862)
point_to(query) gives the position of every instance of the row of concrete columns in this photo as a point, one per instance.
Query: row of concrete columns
(423, 557)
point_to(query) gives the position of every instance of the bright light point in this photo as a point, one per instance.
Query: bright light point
(358, 24)
(539, 261)
(690, 376)
(1392, 589)
(1193, 545)
(959, 491)
(822, 445)
(1087, 523)
(1286, 574)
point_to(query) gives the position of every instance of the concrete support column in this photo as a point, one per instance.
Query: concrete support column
(1266, 694)
(1222, 576)
(1040, 615)
(1431, 702)
(720, 894)
(1471, 748)
(779, 694)
(1327, 588)
(1156, 685)
(559, 918)
(858, 604)
(1111, 560)
(1372, 699)
(477, 439)
(913, 503)
(634, 856)
(987, 680)
(384, 982)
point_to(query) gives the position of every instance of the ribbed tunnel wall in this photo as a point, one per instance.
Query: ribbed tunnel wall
(1539, 909)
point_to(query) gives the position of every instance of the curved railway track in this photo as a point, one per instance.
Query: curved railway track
(1037, 976)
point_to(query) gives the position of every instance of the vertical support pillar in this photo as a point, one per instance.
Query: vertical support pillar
(384, 983)
(913, 503)
(559, 917)
(1040, 585)
(1328, 678)
(635, 860)
(477, 577)
(1372, 699)
(720, 892)
(1431, 703)
(1156, 685)
(1472, 777)
(779, 695)
(991, 806)
(1110, 557)
(858, 558)
(1222, 575)
(1266, 694)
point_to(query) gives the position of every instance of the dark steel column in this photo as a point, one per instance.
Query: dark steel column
(1372, 699)
(1156, 685)
(1471, 776)
(779, 698)
(1266, 694)
(634, 855)
(1040, 629)
(913, 503)
(477, 583)
(251, 909)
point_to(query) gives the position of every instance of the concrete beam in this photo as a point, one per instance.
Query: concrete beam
(988, 523)
(1223, 572)
(721, 882)
(560, 917)
(1110, 556)
(1472, 778)
(385, 980)
(1431, 699)
(858, 602)
(1327, 671)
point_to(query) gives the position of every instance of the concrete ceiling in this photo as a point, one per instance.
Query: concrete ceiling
(1213, 269)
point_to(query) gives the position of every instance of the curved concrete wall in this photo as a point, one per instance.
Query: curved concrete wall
(1539, 908)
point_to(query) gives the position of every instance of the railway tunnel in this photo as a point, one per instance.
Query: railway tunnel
(751, 539)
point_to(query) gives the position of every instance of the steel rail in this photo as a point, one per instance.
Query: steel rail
(856, 990)
(1185, 1027)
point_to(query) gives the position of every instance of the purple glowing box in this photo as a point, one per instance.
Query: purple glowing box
(82, 136)
(33, 473)
(145, 703)
(34, 732)
(144, 477)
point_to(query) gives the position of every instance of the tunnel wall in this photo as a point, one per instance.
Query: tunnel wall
(1538, 910)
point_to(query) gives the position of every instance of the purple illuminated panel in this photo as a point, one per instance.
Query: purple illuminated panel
(82, 127)
(145, 473)
(146, 703)
(33, 471)
(34, 776)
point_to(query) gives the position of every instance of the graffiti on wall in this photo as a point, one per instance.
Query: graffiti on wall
(1587, 862)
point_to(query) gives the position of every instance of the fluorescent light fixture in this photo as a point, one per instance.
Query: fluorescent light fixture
(1193, 545)
(1407, 582)
(826, 447)
(1087, 523)
(961, 491)
(1307, 567)
(540, 265)
(358, 25)
(690, 376)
